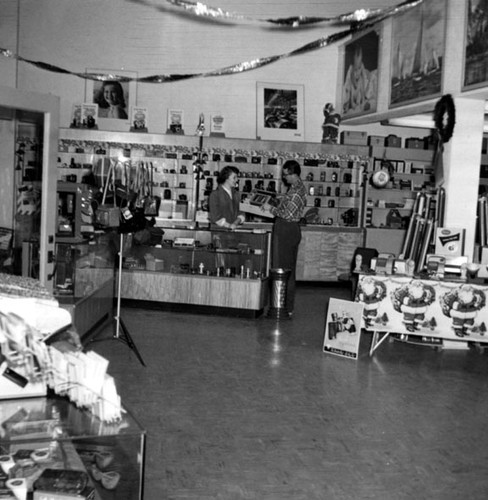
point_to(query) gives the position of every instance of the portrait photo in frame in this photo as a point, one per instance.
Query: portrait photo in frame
(417, 53)
(476, 45)
(280, 112)
(115, 99)
(359, 83)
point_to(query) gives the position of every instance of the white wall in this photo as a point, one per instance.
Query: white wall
(155, 38)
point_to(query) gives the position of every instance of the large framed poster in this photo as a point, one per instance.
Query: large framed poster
(280, 113)
(114, 98)
(476, 45)
(417, 55)
(359, 85)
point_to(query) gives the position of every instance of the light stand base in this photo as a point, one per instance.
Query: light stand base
(122, 335)
(119, 324)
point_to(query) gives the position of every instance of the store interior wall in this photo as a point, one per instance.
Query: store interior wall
(149, 38)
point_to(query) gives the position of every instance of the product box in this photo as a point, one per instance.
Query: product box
(376, 140)
(256, 200)
(154, 264)
(354, 138)
(393, 141)
(449, 241)
(414, 143)
(166, 209)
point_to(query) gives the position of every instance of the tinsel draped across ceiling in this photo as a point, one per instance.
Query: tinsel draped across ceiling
(357, 20)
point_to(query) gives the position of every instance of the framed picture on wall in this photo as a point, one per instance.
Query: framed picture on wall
(417, 53)
(114, 98)
(358, 87)
(280, 113)
(476, 45)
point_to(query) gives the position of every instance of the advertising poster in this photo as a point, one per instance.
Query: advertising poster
(343, 328)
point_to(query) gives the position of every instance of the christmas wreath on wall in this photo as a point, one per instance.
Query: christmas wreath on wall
(445, 117)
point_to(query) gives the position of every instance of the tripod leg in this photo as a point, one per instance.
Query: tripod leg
(128, 340)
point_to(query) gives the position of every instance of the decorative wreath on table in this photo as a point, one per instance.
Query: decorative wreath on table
(445, 117)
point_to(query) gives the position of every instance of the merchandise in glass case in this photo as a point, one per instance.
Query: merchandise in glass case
(49, 448)
(223, 271)
(241, 254)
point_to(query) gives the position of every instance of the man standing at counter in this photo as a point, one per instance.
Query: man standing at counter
(286, 229)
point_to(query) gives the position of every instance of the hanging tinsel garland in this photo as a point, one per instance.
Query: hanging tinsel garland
(356, 18)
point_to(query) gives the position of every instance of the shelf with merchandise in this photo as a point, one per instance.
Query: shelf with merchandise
(334, 186)
(388, 209)
(259, 163)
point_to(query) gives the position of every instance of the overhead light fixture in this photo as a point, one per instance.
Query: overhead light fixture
(420, 121)
(414, 121)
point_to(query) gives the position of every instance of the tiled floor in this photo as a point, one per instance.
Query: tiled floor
(253, 409)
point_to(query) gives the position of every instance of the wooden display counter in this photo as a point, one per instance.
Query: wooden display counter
(213, 294)
(326, 252)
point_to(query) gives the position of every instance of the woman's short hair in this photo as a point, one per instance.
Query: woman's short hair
(224, 174)
(293, 167)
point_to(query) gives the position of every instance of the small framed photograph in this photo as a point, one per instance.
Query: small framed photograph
(343, 328)
(114, 98)
(358, 86)
(475, 45)
(280, 112)
(217, 125)
(76, 113)
(138, 119)
(175, 121)
(89, 115)
(417, 53)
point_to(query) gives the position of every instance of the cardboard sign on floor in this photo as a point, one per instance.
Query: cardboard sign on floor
(343, 328)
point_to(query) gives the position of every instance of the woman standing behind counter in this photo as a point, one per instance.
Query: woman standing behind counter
(224, 201)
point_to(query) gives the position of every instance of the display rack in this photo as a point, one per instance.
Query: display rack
(388, 210)
(173, 160)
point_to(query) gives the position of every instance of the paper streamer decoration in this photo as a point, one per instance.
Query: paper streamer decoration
(356, 18)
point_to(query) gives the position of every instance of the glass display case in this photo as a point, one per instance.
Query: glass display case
(218, 268)
(84, 279)
(241, 254)
(52, 449)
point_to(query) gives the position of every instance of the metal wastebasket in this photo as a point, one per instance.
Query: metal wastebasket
(279, 285)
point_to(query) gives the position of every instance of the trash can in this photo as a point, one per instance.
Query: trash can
(279, 285)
